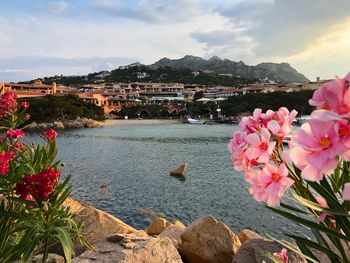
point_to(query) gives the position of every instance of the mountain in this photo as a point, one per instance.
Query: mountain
(281, 72)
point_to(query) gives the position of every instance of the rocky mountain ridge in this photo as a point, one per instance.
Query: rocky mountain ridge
(282, 72)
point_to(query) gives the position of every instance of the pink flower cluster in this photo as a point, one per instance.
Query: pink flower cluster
(39, 185)
(49, 135)
(253, 147)
(320, 142)
(7, 103)
(15, 134)
(5, 157)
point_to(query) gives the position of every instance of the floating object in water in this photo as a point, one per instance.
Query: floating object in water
(194, 121)
(179, 171)
(104, 186)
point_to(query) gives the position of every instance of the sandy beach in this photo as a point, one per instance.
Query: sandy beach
(122, 122)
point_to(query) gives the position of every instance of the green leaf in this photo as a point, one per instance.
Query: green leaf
(66, 242)
(318, 207)
(332, 256)
(311, 224)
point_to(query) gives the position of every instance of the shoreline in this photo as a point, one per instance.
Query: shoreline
(121, 122)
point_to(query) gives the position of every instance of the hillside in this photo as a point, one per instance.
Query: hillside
(282, 72)
(189, 70)
(141, 73)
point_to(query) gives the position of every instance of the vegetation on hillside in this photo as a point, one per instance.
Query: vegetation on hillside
(69, 107)
(234, 106)
(247, 103)
(166, 75)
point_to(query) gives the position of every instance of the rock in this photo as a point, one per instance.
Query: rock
(157, 226)
(254, 250)
(97, 224)
(179, 224)
(32, 125)
(52, 258)
(174, 233)
(58, 125)
(247, 234)
(208, 240)
(43, 126)
(132, 249)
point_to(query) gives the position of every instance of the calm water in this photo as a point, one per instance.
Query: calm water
(136, 161)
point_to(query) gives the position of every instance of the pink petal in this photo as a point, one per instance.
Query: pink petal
(346, 191)
(310, 173)
(253, 139)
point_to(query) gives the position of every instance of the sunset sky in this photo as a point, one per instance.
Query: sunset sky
(48, 37)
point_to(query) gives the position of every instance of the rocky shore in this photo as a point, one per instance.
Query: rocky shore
(206, 240)
(77, 123)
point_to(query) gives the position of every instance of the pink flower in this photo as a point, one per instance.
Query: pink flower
(7, 103)
(269, 183)
(24, 105)
(15, 134)
(316, 146)
(346, 192)
(281, 121)
(260, 146)
(282, 255)
(5, 157)
(50, 135)
(334, 96)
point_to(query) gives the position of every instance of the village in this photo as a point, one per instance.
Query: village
(112, 97)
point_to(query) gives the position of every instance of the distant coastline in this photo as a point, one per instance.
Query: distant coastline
(119, 122)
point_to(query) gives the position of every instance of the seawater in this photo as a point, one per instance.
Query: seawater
(133, 163)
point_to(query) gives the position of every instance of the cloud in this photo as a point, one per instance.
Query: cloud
(150, 11)
(56, 7)
(31, 67)
(284, 27)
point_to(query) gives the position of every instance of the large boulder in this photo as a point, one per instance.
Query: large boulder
(256, 250)
(247, 234)
(208, 240)
(131, 248)
(97, 224)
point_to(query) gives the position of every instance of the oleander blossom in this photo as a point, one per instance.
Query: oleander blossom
(39, 185)
(269, 183)
(15, 134)
(24, 105)
(280, 122)
(259, 146)
(333, 96)
(49, 135)
(5, 157)
(282, 255)
(8, 103)
(316, 147)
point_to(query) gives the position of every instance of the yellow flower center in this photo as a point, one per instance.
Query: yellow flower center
(276, 177)
(325, 142)
(263, 146)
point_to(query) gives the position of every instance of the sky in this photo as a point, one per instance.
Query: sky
(73, 37)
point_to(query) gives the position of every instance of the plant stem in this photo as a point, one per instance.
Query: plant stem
(46, 253)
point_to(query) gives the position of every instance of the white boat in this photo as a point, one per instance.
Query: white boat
(194, 121)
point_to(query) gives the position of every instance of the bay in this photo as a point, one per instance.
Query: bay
(132, 164)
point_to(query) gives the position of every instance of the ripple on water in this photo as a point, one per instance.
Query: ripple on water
(136, 160)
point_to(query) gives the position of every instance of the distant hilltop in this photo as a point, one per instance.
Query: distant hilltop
(189, 70)
(281, 72)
